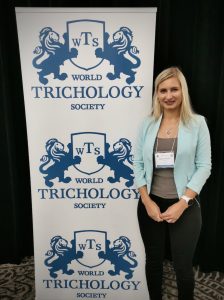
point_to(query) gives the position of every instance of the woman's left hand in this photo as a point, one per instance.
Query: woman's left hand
(173, 212)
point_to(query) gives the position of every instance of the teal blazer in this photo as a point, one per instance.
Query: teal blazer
(193, 158)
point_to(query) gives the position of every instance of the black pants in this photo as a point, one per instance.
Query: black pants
(183, 237)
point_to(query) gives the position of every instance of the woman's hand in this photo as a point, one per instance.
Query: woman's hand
(153, 210)
(173, 212)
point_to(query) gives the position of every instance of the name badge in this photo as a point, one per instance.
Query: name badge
(164, 160)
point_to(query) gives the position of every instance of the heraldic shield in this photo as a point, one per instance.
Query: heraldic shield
(88, 145)
(90, 242)
(86, 36)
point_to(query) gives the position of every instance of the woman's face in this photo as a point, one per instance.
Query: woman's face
(169, 94)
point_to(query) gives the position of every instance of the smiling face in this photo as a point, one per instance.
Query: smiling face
(169, 94)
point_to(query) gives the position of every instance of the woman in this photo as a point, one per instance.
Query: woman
(172, 162)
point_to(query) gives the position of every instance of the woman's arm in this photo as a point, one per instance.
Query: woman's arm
(203, 170)
(139, 172)
(150, 206)
(202, 159)
(138, 162)
(174, 212)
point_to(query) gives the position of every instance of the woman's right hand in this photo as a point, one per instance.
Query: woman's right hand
(152, 209)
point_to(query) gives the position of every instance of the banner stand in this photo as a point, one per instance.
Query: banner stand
(87, 80)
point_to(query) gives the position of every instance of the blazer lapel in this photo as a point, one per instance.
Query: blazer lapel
(183, 133)
(151, 136)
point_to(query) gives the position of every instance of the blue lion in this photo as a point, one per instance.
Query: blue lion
(57, 161)
(60, 256)
(51, 54)
(116, 255)
(116, 161)
(118, 51)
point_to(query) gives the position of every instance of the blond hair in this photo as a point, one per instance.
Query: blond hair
(186, 112)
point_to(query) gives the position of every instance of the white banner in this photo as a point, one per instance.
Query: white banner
(87, 80)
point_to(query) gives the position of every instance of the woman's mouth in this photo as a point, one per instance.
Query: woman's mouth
(169, 102)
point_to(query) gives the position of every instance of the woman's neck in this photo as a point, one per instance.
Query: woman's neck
(171, 115)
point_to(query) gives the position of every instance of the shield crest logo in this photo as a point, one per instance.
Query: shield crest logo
(90, 242)
(88, 145)
(86, 36)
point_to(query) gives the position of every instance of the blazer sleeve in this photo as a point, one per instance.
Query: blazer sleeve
(138, 162)
(202, 159)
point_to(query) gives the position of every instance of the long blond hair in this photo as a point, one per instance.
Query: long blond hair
(186, 112)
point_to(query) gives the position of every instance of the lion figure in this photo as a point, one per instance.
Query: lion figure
(117, 159)
(120, 53)
(56, 162)
(122, 40)
(117, 254)
(60, 256)
(51, 54)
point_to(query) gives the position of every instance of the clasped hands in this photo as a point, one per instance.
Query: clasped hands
(171, 215)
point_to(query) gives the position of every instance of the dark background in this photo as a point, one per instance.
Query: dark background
(189, 34)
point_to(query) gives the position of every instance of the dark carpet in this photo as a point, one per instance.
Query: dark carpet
(17, 282)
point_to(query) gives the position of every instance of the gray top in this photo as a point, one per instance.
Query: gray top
(163, 184)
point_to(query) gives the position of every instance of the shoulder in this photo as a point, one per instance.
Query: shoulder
(143, 126)
(197, 121)
(147, 121)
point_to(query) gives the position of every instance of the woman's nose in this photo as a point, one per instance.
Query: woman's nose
(169, 94)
